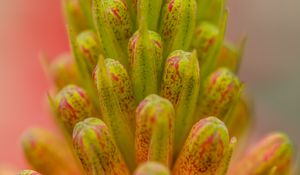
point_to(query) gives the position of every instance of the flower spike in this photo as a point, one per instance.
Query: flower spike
(272, 155)
(73, 105)
(178, 24)
(221, 92)
(206, 149)
(152, 168)
(48, 154)
(154, 133)
(113, 115)
(96, 148)
(181, 85)
(28, 172)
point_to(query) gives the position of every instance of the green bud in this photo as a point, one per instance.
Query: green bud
(96, 148)
(210, 10)
(206, 150)
(154, 132)
(152, 168)
(181, 85)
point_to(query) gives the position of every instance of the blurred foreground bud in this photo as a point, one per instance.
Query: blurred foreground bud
(96, 148)
(73, 105)
(47, 154)
(112, 114)
(113, 28)
(240, 117)
(63, 70)
(221, 92)
(181, 85)
(178, 24)
(74, 15)
(145, 52)
(231, 55)
(154, 133)
(152, 168)
(207, 149)
(272, 155)
(28, 172)
(89, 47)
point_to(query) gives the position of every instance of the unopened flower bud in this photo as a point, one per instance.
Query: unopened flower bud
(206, 149)
(89, 47)
(210, 11)
(152, 168)
(145, 52)
(48, 154)
(73, 105)
(115, 119)
(96, 148)
(63, 71)
(220, 93)
(178, 24)
(28, 172)
(272, 155)
(181, 85)
(154, 133)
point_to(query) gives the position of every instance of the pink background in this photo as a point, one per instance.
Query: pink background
(270, 67)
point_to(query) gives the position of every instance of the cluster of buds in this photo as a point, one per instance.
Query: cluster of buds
(150, 88)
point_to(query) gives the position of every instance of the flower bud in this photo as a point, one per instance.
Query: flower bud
(210, 11)
(114, 28)
(112, 114)
(89, 47)
(145, 52)
(231, 55)
(74, 16)
(181, 85)
(272, 155)
(48, 154)
(63, 71)
(96, 148)
(178, 24)
(154, 133)
(152, 168)
(221, 92)
(73, 105)
(206, 149)
(28, 172)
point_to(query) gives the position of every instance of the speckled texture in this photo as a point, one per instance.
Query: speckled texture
(72, 105)
(181, 85)
(152, 168)
(274, 153)
(145, 53)
(205, 149)
(97, 149)
(112, 114)
(48, 154)
(28, 172)
(89, 47)
(220, 92)
(178, 24)
(154, 133)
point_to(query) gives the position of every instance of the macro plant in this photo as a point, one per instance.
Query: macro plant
(150, 87)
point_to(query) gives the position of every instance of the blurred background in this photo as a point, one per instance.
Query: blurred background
(270, 67)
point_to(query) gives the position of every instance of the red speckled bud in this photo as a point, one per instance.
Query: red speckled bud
(154, 133)
(89, 47)
(28, 172)
(181, 85)
(206, 149)
(221, 92)
(73, 105)
(178, 24)
(48, 154)
(152, 168)
(96, 148)
(63, 71)
(272, 155)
